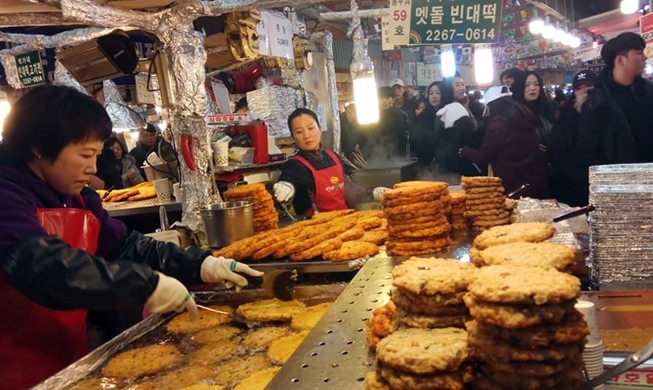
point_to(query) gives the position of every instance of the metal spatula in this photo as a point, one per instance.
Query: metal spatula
(234, 317)
(629, 363)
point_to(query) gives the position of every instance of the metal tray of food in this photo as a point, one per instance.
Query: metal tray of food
(152, 331)
(336, 353)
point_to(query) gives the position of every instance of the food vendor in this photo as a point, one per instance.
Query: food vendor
(61, 253)
(316, 178)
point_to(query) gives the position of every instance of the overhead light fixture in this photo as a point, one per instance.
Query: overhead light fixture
(629, 6)
(558, 35)
(104, 58)
(575, 43)
(548, 31)
(448, 60)
(483, 66)
(362, 74)
(536, 26)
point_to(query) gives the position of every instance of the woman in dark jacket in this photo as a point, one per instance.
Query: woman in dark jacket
(453, 134)
(528, 89)
(422, 137)
(510, 145)
(61, 254)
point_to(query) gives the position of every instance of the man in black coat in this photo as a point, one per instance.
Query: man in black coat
(616, 123)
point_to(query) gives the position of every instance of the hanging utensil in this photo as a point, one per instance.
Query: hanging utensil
(106, 194)
(515, 194)
(629, 363)
(163, 218)
(583, 210)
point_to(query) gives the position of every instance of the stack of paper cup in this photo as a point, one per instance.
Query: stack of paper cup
(593, 353)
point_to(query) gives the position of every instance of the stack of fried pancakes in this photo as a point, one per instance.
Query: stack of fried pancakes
(429, 293)
(525, 332)
(265, 215)
(417, 220)
(485, 202)
(412, 359)
(458, 209)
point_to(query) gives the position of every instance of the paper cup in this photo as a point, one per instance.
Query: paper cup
(163, 189)
(221, 153)
(588, 310)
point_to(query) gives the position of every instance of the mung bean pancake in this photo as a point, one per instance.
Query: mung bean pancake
(206, 319)
(258, 380)
(280, 350)
(270, 310)
(141, 361)
(308, 318)
(516, 316)
(263, 337)
(444, 381)
(424, 351)
(542, 254)
(518, 232)
(212, 335)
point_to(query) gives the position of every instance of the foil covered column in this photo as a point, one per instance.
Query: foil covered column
(325, 39)
(63, 77)
(188, 57)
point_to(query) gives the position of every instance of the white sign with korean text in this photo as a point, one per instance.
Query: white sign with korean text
(399, 22)
(264, 33)
(428, 73)
(280, 35)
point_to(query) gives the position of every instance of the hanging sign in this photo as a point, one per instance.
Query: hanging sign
(264, 33)
(428, 73)
(398, 29)
(441, 22)
(646, 29)
(30, 70)
(280, 36)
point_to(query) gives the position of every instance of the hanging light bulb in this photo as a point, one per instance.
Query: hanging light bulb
(548, 31)
(558, 35)
(568, 39)
(483, 66)
(575, 43)
(448, 60)
(362, 74)
(536, 26)
(629, 6)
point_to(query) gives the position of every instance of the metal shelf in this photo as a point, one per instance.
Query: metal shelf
(149, 206)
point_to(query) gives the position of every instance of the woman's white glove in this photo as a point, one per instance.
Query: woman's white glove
(171, 295)
(378, 192)
(283, 191)
(219, 269)
(450, 113)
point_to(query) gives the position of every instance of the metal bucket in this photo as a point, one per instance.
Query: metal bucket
(227, 222)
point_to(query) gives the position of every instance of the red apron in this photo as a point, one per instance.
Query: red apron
(329, 185)
(36, 342)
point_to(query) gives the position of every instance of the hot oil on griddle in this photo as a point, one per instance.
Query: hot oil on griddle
(185, 344)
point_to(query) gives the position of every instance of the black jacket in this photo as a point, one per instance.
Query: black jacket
(569, 180)
(422, 136)
(465, 132)
(605, 135)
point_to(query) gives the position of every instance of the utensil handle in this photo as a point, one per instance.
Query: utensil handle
(212, 310)
(583, 210)
(518, 191)
(163, 218)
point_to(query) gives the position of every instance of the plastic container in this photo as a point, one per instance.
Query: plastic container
(227, 222)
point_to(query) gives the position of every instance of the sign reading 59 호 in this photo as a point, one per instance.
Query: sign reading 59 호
(428, 22)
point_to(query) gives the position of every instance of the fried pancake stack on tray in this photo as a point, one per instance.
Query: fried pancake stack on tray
(485, 202)
(429, 293)
(417, 218)
(265, 215)
(415, 358)
(525, 333)
(457, 217)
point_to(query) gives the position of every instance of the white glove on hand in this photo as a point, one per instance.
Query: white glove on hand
(450, 113)
(170, 295)
(283, 191)
(219, 269)
(378, 192)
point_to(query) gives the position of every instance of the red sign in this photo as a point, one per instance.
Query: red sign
(646, 29)
(225, 118)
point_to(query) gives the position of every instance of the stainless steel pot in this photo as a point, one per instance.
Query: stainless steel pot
(227, 222)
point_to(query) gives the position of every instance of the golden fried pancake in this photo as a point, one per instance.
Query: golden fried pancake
(270, 310)
(212, 335)
(237, 369)
(182, 323)
(307, 319)
(281, 349)
(263, 337)
(258, 380)
(141, 361)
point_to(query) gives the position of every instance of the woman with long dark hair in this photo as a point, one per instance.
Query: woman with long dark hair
(510, 144)
(456, 128)
(422, 137)
(528, 89)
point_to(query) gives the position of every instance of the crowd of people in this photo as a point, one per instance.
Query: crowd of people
(519, 133)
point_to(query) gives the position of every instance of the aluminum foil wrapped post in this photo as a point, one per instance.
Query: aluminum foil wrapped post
(325, 40)
(186, 50)
(63, 77)
(111, 93)
(289, 73)
(273, 105)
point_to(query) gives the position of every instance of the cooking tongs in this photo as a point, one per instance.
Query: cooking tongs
(515, 194)
(629, 363)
